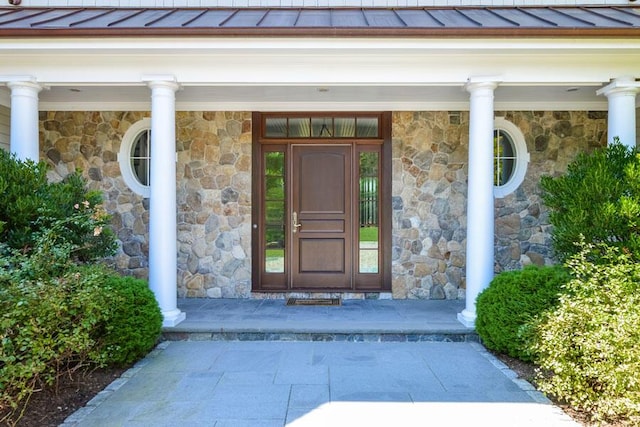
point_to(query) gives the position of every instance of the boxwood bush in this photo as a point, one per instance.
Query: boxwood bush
(133, 322)
(589, 345)
(507, 307)
(55, 325)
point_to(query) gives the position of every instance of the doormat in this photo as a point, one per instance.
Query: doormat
(313, 301)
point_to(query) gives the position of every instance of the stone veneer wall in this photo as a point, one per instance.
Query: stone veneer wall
(214, 193)
(430, 155)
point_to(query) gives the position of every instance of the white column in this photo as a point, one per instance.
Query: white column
(24, 139)
(621, 94)
(480, 200)
(163, 264)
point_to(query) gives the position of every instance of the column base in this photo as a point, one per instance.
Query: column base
(467, 318)
(172, 318)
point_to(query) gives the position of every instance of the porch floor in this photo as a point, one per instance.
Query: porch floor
(354, 320)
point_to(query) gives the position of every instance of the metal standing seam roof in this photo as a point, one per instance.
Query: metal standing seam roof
(540, 21)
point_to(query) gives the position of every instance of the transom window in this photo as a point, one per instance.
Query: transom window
(510, 157)
(135, 157)
(322, 127)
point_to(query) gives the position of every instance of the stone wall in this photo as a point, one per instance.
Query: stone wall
(214, 194)
(430, 154)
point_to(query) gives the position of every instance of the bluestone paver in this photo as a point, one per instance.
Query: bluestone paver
(383, 365)
(236, 383)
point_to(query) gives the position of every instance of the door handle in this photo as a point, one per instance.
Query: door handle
(295, 224)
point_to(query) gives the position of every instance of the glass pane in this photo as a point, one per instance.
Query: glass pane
(299, 128)
(321, 127)
(274, 163)
(368, 248)
(368, 236)
(140, 154)
(345, 127)
(276, 127)
(367, 127)
(368, 261)
(274, 215)
(274, 251)
(274, 188)
(504, 158)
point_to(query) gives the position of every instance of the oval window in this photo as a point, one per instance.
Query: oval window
(135, 157)
(510, 157)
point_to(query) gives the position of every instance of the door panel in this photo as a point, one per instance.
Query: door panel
(321, 200)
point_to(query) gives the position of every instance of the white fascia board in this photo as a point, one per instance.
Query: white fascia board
(238, 69)
(305, 45)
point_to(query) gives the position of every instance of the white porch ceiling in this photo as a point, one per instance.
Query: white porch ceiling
(321, 98)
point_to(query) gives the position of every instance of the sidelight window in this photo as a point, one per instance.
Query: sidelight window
(368, 234)
(274, 200)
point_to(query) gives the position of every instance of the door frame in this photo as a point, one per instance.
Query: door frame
(262, 281)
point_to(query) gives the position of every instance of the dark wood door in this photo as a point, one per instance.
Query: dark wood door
(321, 216)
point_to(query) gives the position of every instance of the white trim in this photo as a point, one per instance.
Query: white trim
(323, 106)
(521, 154)
(124, 157)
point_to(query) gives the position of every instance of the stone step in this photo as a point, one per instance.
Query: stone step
(352, 321)
(444, 336)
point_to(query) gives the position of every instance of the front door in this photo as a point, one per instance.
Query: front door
(321, 217)
(321, 208)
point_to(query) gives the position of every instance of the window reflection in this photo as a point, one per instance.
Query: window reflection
(367, 127)
(275, 212)
(368, 236)
(141, 157)
(504, 157)
(322, 127)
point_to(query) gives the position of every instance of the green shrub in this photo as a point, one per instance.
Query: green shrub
(598, 198)
(133, 324)
(590, 344)
(513, 299)
(31, 207)
(52, 326)
(46, 329)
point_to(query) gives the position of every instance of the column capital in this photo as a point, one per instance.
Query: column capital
(17, 82)
(622, 85)
(482, 82)
(161, 81)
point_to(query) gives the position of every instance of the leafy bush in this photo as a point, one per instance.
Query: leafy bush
(58, 312)
(46, 329)
(134, 322)
(512, 300)
(598, 198)
(30, 206)
(590, 344)
(53, 326)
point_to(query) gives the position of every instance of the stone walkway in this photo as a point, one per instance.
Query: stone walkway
(365, 363)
